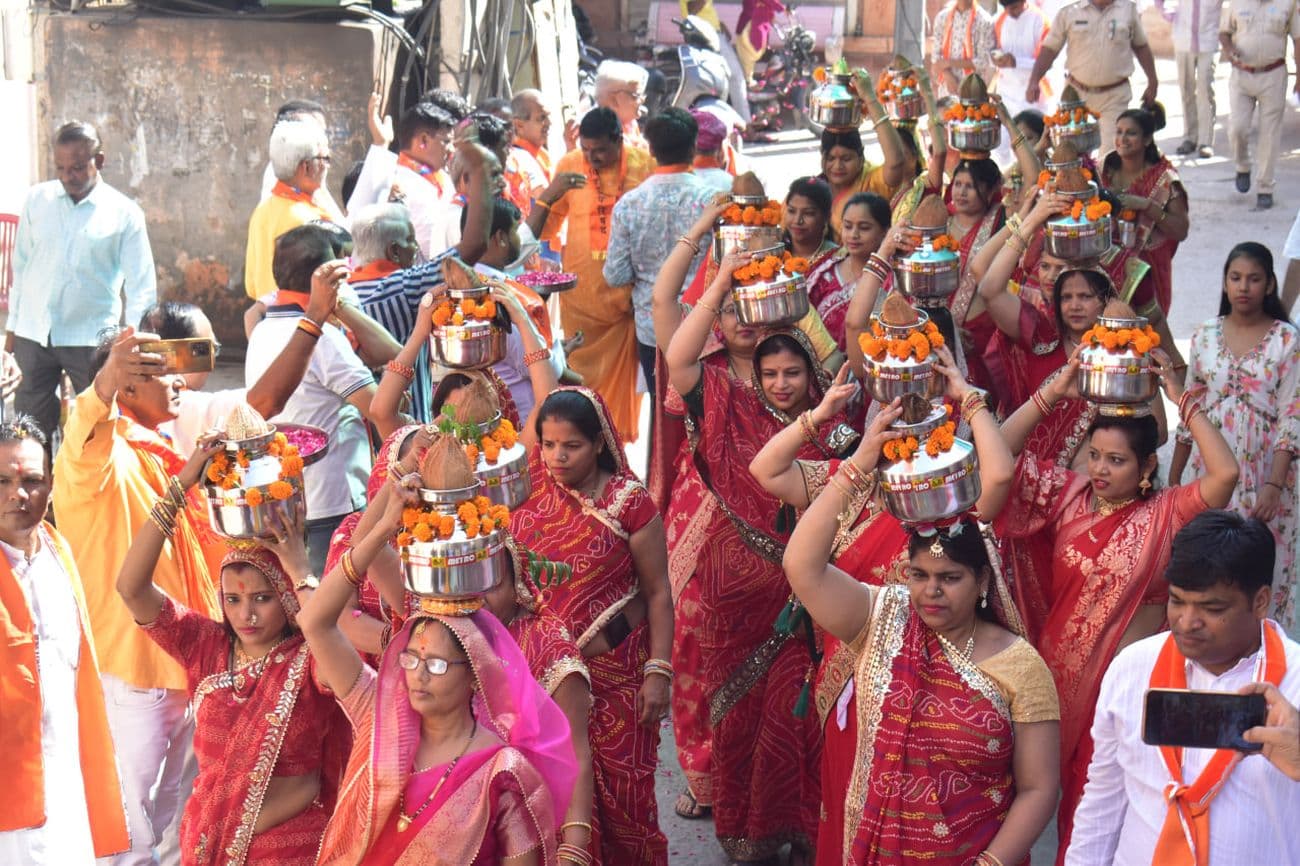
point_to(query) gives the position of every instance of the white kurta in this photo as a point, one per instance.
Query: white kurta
(64, 840)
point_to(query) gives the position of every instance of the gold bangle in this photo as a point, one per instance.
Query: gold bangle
(349, 570)
(583, 824)
(706, 305)
(695, 247)
(176, 493)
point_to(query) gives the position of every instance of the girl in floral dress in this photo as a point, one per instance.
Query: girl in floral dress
(1248, 360)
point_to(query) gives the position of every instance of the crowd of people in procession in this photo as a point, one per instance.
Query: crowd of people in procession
(844, 687)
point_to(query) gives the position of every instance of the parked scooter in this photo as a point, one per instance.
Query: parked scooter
(696, 75)
(782, 78)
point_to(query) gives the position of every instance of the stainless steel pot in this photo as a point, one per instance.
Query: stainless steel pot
(231, 516)
(834, 105)
(974, 135)
(927, 489)
(1083, 137)
(783, 301)
(1117, 376)
(749, 200)
(447, 500)
(893, 378)
(507, 481)
(456, 567)
(727, 238)
(471, 346)
(908, 105)
(1070, 240)
(928, 274)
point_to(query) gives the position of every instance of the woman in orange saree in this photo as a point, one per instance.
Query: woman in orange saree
(270, 742)
(459, 756)
(955, 744)
(1094, 549)
(749, 673)
(589, 512)
(871, 545)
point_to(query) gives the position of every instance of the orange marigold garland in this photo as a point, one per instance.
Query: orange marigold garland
(1140, 340)
(770, 268)
(958, 112)
(447, 313)
(940, 441)
(475, 517)
(1093, 210)
(768, 215)
(918, 344)
(1063, 117)
(892, 84)
(227, 472)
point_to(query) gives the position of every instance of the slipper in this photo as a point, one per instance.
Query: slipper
(692, 809)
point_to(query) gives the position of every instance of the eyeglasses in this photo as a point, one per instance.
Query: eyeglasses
(434, 665)
(323, 157)
(728, 310)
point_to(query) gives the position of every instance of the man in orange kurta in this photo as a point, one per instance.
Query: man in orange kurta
(111, 470)
(64, 800)
(607, 357)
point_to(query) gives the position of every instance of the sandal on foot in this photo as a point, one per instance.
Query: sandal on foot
(690, 808)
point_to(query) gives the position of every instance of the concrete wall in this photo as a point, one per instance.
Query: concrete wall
(185, 107)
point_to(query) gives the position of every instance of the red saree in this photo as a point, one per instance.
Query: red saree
(980, 328)
(1093, 572)
(251, 724)
(1160, 183)
(591, 537)
(763, 765)
(830, 295)
(874, 550)
(932, 779)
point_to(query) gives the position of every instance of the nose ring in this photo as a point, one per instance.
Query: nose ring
(252, 620)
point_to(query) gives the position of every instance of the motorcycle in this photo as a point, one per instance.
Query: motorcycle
(782, 78)
(697, 75)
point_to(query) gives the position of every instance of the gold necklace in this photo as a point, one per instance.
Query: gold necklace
(964, 655)
(404, 820)
(1107, 507)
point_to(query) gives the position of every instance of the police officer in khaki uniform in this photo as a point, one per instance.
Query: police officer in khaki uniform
(1253, 35)
(1101, 38)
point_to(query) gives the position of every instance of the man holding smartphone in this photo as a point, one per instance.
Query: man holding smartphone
(1146, 804)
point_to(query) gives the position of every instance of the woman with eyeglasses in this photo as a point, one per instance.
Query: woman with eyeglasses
(459, 755)
(270, 741)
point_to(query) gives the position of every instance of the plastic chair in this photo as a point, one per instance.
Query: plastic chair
(8, 233)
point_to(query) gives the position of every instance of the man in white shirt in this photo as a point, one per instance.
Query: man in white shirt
(1196, 36)
(1220, 577)
(1019, 31)
(334, 395)
(82, 263)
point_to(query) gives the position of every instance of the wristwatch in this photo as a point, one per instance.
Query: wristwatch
(311, 581)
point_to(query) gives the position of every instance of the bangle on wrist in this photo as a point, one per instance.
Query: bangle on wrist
(1272, 483)
(307, 326)
(531, 358)
(350, 570)
(406, 371)
(707, 306)
(694, 246)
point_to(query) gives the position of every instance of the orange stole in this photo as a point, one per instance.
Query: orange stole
(20, 735)
(1185, 838)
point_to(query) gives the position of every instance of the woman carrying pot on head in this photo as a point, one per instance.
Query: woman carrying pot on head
(459, 755)
(956, 717)
(1246, 360)
(807, 219)
(1150, 192)
(844, 163)
(736, 666)
(1091, 547)
(870, 545)
(270, 741)
(864, 222)
(587, 511)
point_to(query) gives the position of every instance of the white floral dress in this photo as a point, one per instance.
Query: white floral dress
(1255, 402)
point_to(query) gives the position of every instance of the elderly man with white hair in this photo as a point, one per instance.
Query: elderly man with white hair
(300, 158)
(620, 87)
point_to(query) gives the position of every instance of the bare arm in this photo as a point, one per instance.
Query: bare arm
(277, 384)
(650, 558)
(337, 663)
(1147, 61)
(1042, 63)
(1178, 462)
(482, 166)
(1221, 469)
(573, 697)
(375, 346)
(834, 599)
(898, 168)
(1035, 766)
(135, 578)
(1003, 306)
(857, 318)
(556, 190)
(541, 375)
(1291, 284)
(665, 304)
(683, 355)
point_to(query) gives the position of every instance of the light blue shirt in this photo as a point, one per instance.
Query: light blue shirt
(74, 264)
(643, 229)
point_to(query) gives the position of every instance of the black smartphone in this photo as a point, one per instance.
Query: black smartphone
(1201, 720)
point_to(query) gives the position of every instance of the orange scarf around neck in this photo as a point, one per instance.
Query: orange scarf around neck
(1185, 838)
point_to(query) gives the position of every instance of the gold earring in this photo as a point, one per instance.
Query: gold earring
(1145, 486)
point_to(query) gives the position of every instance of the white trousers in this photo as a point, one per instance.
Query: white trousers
(1196, 84)
(1246, 90)
(153, 734)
